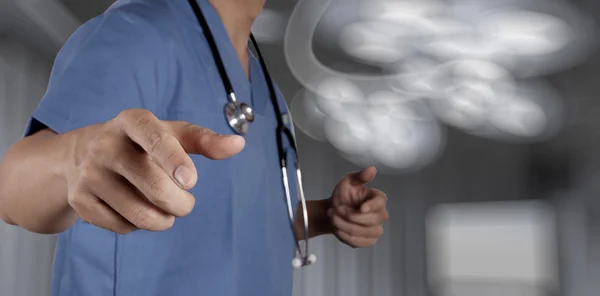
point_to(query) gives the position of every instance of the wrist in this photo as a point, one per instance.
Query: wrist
(320, 219)
(71, 148)
(74, 147)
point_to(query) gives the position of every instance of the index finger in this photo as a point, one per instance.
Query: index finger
(198, 140)
(158, 140)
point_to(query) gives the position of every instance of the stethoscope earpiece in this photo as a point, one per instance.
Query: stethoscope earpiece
(300, 262)
(297, 262)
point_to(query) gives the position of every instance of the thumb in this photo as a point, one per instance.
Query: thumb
(363, 177)
(198, 140)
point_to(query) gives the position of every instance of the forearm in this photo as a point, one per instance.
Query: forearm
(33, 190)
(319, 221)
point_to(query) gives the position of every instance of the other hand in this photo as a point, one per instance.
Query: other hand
(133, 172)
(358, 212)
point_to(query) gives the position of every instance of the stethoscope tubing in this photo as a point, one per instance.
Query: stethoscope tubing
(305, 257)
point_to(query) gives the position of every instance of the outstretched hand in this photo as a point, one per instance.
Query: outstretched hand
(358, 212)
(134, 172)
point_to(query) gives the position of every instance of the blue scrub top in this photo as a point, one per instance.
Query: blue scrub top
(152, 54)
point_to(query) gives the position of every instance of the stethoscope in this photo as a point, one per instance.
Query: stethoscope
(240, 115)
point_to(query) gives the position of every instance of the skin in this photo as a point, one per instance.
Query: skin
(49, 180)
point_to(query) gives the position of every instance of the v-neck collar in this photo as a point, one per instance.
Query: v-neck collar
(240, 82)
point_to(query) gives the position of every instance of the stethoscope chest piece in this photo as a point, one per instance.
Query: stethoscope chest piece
(239, 116)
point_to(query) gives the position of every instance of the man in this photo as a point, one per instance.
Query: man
(131, 134)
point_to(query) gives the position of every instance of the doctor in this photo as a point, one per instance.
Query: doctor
(131, 135)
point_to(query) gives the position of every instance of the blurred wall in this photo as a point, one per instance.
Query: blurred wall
(25, 258)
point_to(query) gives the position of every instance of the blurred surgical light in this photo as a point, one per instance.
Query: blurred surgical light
(416, 76)
(308, 118)
(525, 33)
(520, 117)
(376, 42)
(391, 140)
(396, 140)
(350, 135)
(383, 129)
(339, 98)
(531, 111)
(468, 64)
(404, 10)
(468, 92)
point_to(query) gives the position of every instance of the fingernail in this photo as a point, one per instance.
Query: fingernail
(183, 175)
(330, 212)
(342, 211)
(366, 209)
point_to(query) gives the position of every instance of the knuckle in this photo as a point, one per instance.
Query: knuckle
(172, 156)
(131, 114)
(157, 140)
(143, 218)
(87, 174)
(204, 138)
(184, 124)
(76, 202)
(80, 204)
(125, 114)
(103, 147)
(157, 191)
(98, 147)
(122, 117)
(164, 203)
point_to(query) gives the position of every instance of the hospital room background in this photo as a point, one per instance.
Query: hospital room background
(481, 115)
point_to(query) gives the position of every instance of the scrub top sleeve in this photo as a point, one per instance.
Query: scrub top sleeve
(114, 62)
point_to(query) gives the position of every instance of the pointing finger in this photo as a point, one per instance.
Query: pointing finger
(198, 140)
(363, 177)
